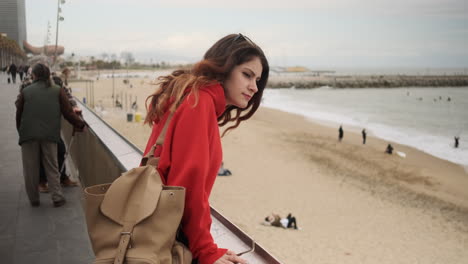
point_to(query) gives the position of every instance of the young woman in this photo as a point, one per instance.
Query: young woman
(226, 86)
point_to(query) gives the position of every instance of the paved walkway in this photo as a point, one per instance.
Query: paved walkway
(34, 234)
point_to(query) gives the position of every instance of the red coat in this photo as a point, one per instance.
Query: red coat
(191, 156)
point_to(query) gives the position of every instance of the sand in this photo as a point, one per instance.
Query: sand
(354, 203)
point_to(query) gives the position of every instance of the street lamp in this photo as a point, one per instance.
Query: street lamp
(59, 18)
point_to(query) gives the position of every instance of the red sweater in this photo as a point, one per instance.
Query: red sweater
(190, 157)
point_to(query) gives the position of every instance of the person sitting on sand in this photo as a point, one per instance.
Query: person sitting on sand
(135, 106)
(224, 172)
(118, 104)
(276, 220)
(389, 149)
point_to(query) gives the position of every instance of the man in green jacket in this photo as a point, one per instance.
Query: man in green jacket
(38, 116)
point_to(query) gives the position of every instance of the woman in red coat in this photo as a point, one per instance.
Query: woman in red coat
(226, 86)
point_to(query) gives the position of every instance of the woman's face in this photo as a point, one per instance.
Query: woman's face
(241, 84)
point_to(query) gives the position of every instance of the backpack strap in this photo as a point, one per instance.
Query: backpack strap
(124, 243)
(159, 142)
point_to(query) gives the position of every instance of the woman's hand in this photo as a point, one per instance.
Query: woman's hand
(229, 258)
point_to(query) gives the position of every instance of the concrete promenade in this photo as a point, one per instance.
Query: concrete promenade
(28, 234)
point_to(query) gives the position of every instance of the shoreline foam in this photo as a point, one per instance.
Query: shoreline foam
(438, 145)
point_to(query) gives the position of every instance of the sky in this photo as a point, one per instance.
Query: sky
(313, 33)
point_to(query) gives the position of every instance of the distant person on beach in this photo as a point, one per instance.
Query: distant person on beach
(364, 136)
(39, 110)
(225, 86)
(457, 139)
(135, 106)
(224, 172)
(118, 104)
(275, 220)
(340, 133)
(389, 149)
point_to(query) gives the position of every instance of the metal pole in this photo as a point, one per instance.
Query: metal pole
(113, 86)
(126, 103)
(56, 32)
(93, 93)
(87, 93)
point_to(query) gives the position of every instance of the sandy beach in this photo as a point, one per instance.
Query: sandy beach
(353, 202)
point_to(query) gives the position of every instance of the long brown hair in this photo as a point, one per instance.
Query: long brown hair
(217, 64)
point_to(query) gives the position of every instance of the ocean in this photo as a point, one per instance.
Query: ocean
(424, 118)
(398, 71)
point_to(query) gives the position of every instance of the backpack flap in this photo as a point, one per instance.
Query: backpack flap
(133, 196)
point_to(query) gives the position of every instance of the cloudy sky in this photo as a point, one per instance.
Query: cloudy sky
(313, 33)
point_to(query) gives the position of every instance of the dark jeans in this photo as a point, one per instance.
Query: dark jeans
(60, 158)
(292, 221)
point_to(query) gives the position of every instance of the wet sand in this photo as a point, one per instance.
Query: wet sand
(354, 203)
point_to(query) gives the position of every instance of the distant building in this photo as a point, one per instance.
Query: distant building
(13, 20)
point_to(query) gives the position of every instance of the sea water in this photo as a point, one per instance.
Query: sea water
(425, 118)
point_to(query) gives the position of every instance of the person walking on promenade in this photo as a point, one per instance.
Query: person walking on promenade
(340, 133)
(12, 70)
(26, 70)
(21, 72)
(457, 139)
(64, 78)
(364, 136)
(65, 75)
(226, 86)
(38, 115)
(65, 180)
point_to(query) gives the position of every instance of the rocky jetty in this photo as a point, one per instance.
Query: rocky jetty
(372, 81)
